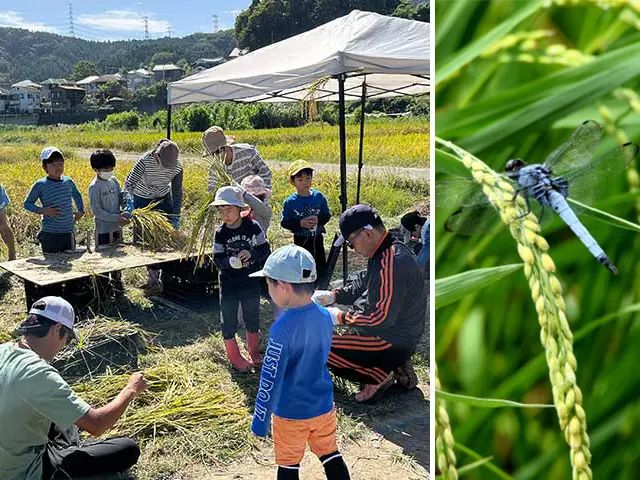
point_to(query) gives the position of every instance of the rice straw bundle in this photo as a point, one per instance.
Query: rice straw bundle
(192, 399)
(206, 218)
(156, 232)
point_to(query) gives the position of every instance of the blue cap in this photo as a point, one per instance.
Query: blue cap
(291, 264)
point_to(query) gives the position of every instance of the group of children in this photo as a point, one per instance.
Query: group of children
(295, 385)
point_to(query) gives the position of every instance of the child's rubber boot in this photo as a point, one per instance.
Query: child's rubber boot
(253, 345)
(238, 362)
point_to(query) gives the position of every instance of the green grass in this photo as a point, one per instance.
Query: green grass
(399, 142)
(488, 342)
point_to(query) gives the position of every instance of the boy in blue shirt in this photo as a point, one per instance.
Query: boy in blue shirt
(55, 193)
(305, 213)
(295, 384)
(5, 229)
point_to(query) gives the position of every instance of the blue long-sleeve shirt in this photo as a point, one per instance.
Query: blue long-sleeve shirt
(296, 207)
(295, 382)
(58, 194)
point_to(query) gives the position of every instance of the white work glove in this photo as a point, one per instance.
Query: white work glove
(335, 312)
(324, 297)
(235, 262)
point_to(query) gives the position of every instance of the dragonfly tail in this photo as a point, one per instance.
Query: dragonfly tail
(603, 259)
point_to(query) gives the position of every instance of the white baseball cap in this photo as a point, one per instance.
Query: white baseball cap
(47, 152)
(229, 196)
(56, 309)
(291, 264)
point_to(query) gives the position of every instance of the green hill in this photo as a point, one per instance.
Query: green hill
(39, 55)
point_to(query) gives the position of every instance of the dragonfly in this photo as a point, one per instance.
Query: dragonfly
(571, 170)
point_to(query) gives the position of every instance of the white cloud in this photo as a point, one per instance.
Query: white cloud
(11, 18)
(121, 21)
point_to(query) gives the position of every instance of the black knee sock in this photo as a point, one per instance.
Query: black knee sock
(334, 466)
(290, 472)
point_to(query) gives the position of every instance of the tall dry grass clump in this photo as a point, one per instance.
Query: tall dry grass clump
(555, 335)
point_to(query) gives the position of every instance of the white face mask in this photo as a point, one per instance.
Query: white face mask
(105, 175)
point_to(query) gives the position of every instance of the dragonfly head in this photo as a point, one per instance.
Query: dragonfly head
(514, 165)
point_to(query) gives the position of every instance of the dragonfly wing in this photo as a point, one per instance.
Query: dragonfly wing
(473, 213)
(596, 181)
(577, 152)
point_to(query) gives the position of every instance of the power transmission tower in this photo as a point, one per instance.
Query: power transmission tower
(71, 30)
(146, 28)
(216, 27)
(169, 32)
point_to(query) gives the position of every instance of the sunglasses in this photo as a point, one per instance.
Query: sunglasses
(349, 243)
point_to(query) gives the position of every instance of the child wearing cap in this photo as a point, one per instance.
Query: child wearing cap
(5, 229)
(239, 249)
(55, 192)
(305, 213)
(295, 385)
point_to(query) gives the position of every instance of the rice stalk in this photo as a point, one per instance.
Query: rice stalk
(445, 443)
(546, 292)
(156, 232)
(206, 218)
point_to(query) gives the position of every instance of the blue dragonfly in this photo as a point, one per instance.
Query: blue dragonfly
(571, 170)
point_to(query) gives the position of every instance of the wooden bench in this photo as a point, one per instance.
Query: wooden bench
(78, 276)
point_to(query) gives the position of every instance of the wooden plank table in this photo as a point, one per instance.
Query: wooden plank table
(42, 273)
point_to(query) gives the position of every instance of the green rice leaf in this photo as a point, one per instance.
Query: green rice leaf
(472, 466)
(455, 62)
(450, 164)
(453, 288)
(488, 465)
(605, 217)
(488, 402)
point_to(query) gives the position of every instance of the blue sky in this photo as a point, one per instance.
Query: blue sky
(118, 20)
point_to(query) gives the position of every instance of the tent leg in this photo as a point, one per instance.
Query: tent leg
(362, 102)
(343, 164)
(168, 122)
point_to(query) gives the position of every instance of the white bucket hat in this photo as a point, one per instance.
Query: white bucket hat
(229, 196)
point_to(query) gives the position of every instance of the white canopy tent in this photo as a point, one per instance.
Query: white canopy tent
(361, 55)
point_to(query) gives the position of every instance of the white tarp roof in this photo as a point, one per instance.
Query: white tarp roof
(392, 52)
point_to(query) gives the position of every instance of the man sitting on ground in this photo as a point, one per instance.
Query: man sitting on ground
(38, 409)
(388, 308)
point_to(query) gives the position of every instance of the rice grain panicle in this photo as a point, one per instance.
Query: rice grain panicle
(546, 292)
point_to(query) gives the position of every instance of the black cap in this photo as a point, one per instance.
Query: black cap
(357, 217)
(411, 219)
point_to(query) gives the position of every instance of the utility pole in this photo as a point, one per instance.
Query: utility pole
(71, 30)
(216, 27)
(146, 28)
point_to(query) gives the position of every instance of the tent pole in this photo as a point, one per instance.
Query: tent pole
(169, 122)
(343, 164)
(362, 101)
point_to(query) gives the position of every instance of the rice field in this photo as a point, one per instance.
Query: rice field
(196, 412)
(536, 342)
(400, 142)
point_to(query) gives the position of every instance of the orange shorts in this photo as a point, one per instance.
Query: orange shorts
(290, 437)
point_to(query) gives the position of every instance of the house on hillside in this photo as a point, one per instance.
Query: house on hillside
(24, 97)
(4, 100)
(139, 78)
(205, 63)
(89, 84)
(168, 72)
(66, 97)
(49, 84)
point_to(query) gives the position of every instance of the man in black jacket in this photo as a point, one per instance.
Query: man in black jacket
(388, 308)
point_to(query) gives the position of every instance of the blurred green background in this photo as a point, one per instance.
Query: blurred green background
(514, 79)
